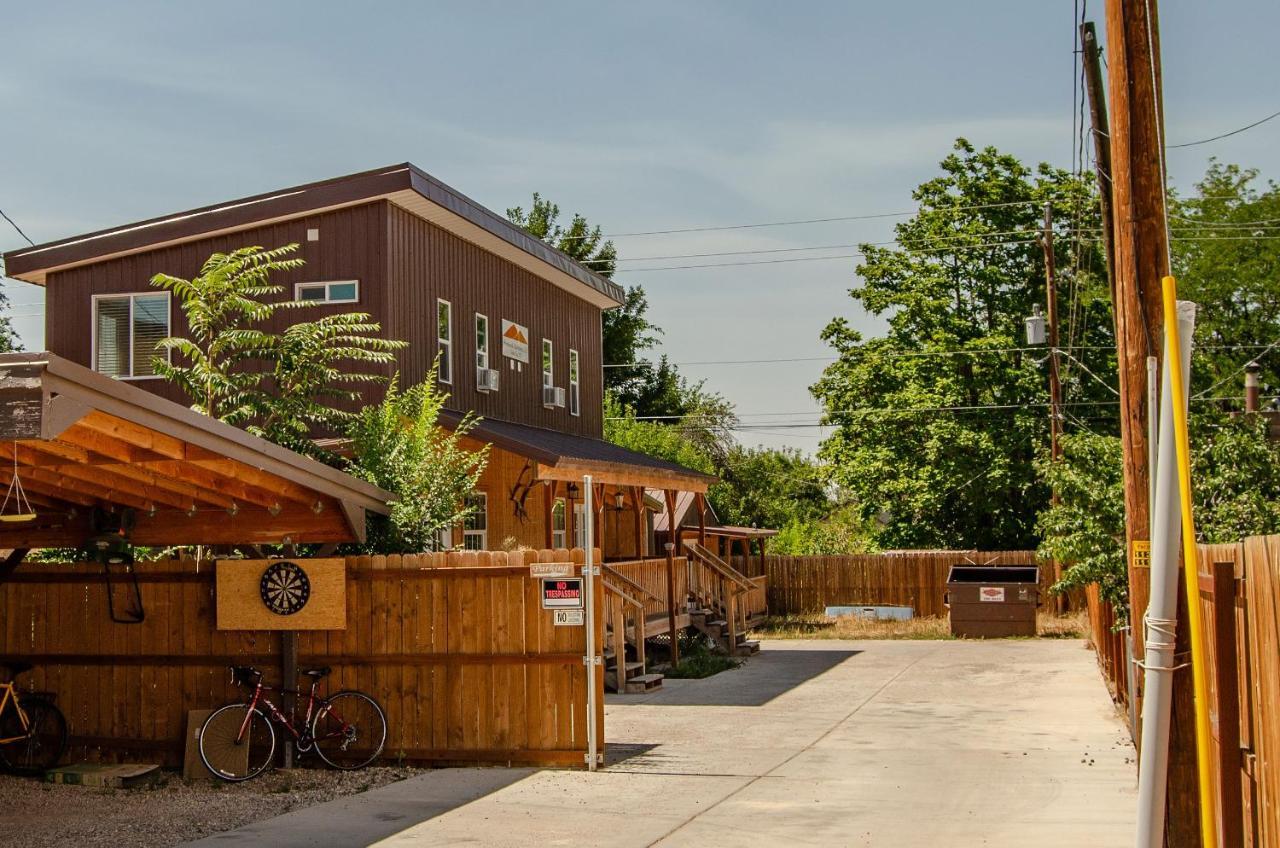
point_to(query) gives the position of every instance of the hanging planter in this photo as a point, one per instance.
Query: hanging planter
(16, 509)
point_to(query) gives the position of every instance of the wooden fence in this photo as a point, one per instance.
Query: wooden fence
(1240, 598)
(454, 646)
(917, 579)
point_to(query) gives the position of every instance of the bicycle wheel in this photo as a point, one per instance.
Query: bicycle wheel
(349, 730)
(45, 743)
(237, 743)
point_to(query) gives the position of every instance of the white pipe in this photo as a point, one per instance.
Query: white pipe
(1153, 438)
(1162, 610)
(588, 590)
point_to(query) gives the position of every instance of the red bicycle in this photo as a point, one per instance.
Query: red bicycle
(238, 741)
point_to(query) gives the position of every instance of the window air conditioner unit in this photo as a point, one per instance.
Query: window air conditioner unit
(487, 379)
(552, 397)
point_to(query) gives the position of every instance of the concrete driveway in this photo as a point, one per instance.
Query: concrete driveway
(1002, 743)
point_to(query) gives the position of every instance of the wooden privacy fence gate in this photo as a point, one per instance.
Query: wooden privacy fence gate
(1240, 598)
(918, 579)
(456, 647)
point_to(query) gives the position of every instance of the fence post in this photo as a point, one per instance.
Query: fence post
(1227, 686)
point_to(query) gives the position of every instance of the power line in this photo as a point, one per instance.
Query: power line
(16, 227)
(1227, 134)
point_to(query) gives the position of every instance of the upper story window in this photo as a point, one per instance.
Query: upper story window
(126, 329)
(574, 395)
(482, 341)
(337, 291)
(548, 364)
(444, 339)
(558, 518)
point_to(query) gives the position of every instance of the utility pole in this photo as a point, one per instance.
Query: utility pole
(1141, 258)
(1101, 143)
(1055, 384)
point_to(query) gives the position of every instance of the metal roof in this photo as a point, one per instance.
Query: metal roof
(404, 184)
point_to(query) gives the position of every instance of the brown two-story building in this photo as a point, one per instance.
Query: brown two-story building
(515, 323)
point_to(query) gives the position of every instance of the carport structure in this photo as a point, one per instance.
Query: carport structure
(80, 443)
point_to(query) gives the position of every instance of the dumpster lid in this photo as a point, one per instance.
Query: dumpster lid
(994, 574)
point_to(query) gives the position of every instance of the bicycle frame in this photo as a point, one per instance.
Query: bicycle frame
(9, 697)
(303, 738)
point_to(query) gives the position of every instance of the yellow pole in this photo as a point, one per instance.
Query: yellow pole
(1190, 560)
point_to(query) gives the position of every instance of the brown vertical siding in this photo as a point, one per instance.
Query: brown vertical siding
(426, 263)
(403, 264)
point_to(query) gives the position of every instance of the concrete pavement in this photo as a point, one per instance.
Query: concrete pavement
(909, 743)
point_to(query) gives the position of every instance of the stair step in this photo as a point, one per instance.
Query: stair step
(644, 683)
(717, 623)
(634, 666)
(748, 646)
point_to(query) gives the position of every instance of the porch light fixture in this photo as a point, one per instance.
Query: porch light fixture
(619, 501)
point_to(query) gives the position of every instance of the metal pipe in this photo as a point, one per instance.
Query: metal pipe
(1162, 610)
(588, 590)
(1191, 574)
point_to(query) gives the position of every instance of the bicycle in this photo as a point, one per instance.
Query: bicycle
(33, 732)
(238, 741)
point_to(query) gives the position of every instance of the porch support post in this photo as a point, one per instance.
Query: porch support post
(637, 512)
(673, 540)
(11, 562)
(570, 519)
(701, 501)
(597, 517)
(549, 494)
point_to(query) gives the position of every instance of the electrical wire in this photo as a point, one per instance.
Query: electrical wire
(1226, 134)
(16, 227)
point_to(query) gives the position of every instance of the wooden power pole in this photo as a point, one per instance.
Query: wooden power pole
(1055, 383)
(1141, 258)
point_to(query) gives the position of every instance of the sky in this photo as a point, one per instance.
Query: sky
(642, 116)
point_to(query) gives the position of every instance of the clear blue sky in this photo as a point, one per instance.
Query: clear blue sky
(642, 115)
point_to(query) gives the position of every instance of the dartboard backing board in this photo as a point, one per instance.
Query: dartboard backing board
(282, 594)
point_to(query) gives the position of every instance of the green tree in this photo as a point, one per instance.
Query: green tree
(397, 445)
(939, 447)
(287, 387)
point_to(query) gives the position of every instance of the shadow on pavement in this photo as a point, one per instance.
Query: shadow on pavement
(761, 679)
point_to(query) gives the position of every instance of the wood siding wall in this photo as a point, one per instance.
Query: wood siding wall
(455, 647)
(403, 264)
(426, 263)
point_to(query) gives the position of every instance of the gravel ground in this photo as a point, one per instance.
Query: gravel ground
(36, 815)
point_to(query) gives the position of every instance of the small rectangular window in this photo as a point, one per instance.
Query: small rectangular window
(338, 291)
(475, 527)
(548, 364)
(573, 382)
(482, 341)
(126, 330)
(444, 339)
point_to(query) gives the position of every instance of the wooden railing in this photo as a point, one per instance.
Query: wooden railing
(718, 586)
(651, 576)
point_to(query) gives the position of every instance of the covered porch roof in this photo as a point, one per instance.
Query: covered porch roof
(565, 456)
(80, 441)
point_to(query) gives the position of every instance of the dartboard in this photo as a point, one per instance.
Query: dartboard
(285, 588)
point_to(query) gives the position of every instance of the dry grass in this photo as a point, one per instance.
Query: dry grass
(1070, 626)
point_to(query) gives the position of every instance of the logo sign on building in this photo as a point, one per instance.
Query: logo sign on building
(991, 594)
(550, 569)
(515, 341)
(569, 617)
(560, 593)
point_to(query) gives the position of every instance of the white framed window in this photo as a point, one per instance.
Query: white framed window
(475, 527)
(126, 329)
(482, 341)
(444, 339)
(574, 408)
(334, 291)
(579, 525)
(548, 364)
(558, 525)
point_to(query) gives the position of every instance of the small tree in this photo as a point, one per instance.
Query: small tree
(398, 446)
(281, 386)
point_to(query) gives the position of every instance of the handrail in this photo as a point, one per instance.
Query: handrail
(622, 593)
(613, 572)
(718, 565)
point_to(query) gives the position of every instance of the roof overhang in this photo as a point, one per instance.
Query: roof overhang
(79, 440)
(568, 457)
(405, 185)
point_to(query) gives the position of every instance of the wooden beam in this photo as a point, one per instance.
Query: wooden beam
(637, 511)
(11, 563)
(700, 500)
(622, 475)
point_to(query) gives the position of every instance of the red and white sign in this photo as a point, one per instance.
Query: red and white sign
(991, 594)
(562, 593)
